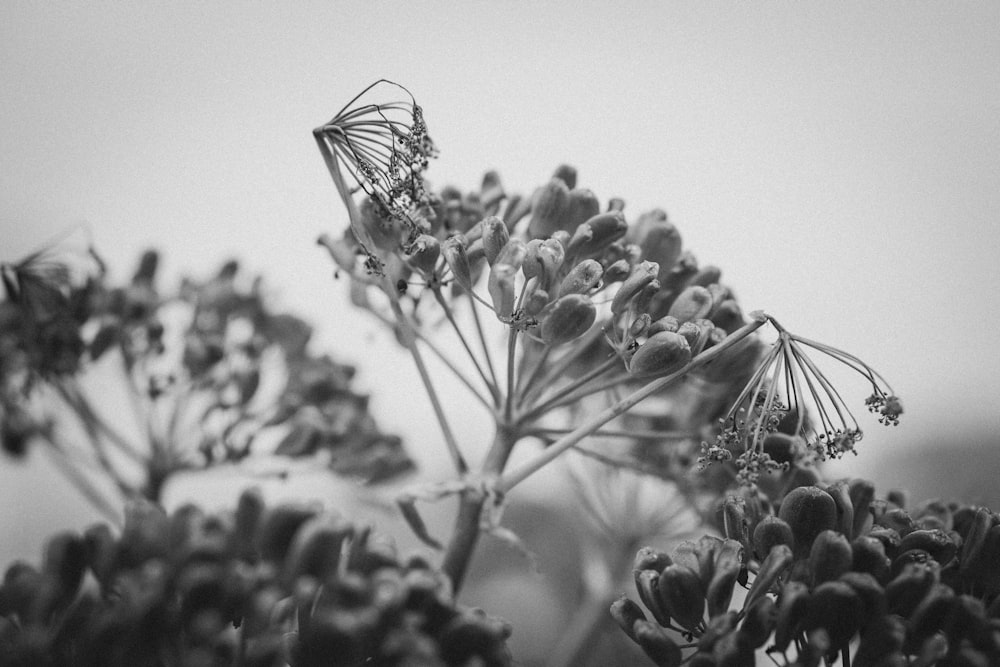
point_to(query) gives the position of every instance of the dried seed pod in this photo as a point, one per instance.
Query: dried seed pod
(897, 519)
(542, 260)
(566, 318)
(642, 275)
(582, 278)
(495, 237)
(617, 271)
(693, 303)
(698, 334)
(830, 556)
(889, 538)
(626, 613)
(682, 595)
(809, 511)
(661, 354)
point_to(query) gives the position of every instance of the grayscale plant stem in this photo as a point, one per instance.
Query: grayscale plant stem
(509, 481)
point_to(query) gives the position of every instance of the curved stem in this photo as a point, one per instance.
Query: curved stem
(567, 394)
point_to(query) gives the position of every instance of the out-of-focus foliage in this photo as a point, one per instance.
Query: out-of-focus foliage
(826, 572)
(188, 378)
(259, 587)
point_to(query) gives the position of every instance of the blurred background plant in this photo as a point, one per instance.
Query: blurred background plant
(126, 385)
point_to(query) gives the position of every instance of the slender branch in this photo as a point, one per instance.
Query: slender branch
(508, 408)
(82, 484)
(614, 433)
(581, 346)
(509, 481)
(482, 339)
(565, 394)
(494, 391)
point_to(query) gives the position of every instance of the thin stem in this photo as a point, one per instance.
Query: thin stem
(565, 394)
(494, 391)
(82, 484)
(508, 408)
(525, 380)
(509, 481)
(482, 339)
(614, 433)
(581, 346)
(411, 344)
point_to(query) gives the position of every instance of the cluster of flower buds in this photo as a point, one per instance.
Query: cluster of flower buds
(834, 573)
(258, 587)
(595, 299)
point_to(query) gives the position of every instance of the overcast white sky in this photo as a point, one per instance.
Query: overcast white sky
(839, 161)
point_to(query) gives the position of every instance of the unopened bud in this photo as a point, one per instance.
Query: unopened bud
(495, 237)
(582, 278)
(456, 255)
(661, 354)
(626, 613)
(830, 556)
(581, 206)
(568, 317)
(642, 275)
(424, 253)
(693, 303)
(596, 234)
(682, 595)
(808, 510)
(547, 208)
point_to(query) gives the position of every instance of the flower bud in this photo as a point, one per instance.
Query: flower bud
(618, 271)
(582, 278)
(456, 255)
(845, 508)
(495, 237)
(567, 174)
(647, 584)
(836, 608)
(697, 333)
(666, 323)
(929, 617)
(581, 206)
(809, 511)
(868, 556)
(65, 561)
(542, 260)
(693, 303)
(830, 556)
(535, 302)
(648, 558)
(880, 640)
(734, 520)
(937, 543)
(770, 532)
(659, 240)
(642, 275)
(862, 492)
(566, 318)
(792, 604)
(491, 189)
(661, 354)
(424, 253)
(778, 560)
(759, 622)
(909, 587)
(657, 644)
(871, 594)
(548, 206)
(316, 547)
(626, 613)
(707, 275)
(596, 234)
(898, 519)
(682, 595)
(277, 529)
(719, 592)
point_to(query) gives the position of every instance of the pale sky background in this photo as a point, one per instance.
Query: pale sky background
(839, 161)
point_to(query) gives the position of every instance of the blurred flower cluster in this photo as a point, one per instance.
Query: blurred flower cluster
(134, 384)
(286, 585)
(830, 571)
